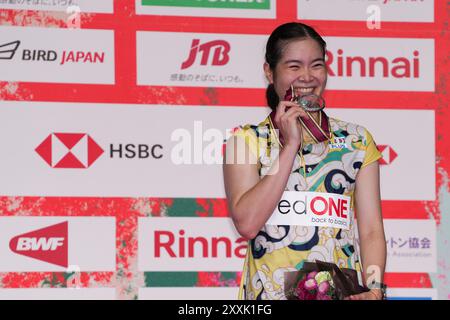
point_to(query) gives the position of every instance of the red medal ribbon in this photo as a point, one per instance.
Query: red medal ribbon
(318, 131)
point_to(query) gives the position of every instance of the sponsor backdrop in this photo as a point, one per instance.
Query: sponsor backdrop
(113, 118)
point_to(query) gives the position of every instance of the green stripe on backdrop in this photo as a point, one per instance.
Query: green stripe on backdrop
(184, 207)
(229, 4)
(187, 279)
(193, 207)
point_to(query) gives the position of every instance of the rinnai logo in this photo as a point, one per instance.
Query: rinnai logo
(167, 243)
(8, 50)
(389, 155)
(49, 244)
(69, 150)
(341, 65)
(220, 57)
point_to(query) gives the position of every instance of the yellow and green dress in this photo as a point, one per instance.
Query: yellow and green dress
(329, 167)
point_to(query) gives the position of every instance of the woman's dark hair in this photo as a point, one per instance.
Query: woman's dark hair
(279, 38)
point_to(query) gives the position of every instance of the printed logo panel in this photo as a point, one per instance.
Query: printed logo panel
(411, 245)
(209, 8)
(200, 60)
(185, 145)
(362, 10)
(97, 6)
(29, 244)
(312, 209)
(408, 166)
(411, 294)
(58, 294)
(190, 244)
(380, 64)
(194, 293)
(49, 244)
(57, 55)
(73, 150)
(236, 61)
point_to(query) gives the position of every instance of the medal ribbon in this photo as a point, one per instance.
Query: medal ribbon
(318, 131)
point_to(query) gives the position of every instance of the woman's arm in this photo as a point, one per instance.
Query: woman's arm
(252, 200)
(370, 224)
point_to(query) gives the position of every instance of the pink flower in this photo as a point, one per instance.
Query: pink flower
(324, 287)
(310, 284)
(311, 275)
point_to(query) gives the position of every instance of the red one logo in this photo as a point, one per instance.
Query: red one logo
(69, 150)
(220, 57)
(49, 244)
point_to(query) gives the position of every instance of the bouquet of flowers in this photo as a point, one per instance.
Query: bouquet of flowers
(321, 281)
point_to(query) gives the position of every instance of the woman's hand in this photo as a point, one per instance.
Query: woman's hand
(373, 294)
(286, 119)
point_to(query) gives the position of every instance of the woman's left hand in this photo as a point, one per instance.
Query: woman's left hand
(370, 295)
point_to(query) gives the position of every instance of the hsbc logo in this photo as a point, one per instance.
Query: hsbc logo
(8, 50)
(80, 151)
(69, 150)
(389, 155)
(48, 244)
(219, 49)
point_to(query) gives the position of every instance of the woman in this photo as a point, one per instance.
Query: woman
(292, 194)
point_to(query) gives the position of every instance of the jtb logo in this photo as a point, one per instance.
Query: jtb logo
(49, 244)
(220, 56)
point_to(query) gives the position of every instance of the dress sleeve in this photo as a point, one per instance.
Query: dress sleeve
(371, 151)
(248, 134)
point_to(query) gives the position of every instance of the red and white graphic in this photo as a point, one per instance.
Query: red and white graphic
(312, 209)
(387, 64)
(411, 245)
(55, 244)
(406, 159)
(99, 6)
(213, 8)
(200, 59)
(58, 293)
(69, 150)
(365, 10)
(48, 244)
(354, 63)
(189, 244)
(388, 153)
(57, 55)
(219, 49)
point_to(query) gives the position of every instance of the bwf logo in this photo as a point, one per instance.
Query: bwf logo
(48, 244)
(69, 150)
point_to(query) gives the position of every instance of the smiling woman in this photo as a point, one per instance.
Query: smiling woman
(296, 161)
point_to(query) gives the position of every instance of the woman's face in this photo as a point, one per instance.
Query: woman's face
(302, 65)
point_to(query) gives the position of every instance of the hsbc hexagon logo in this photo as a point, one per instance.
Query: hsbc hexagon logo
(69, 150)
(389, 155)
